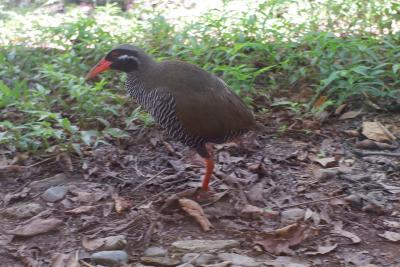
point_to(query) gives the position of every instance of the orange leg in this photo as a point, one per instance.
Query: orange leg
(209, 172)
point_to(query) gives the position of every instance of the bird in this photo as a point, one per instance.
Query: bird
(190, 104)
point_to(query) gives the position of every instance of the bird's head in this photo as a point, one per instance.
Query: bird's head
(124, 58)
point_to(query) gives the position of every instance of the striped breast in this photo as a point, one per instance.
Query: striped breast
(161, 105)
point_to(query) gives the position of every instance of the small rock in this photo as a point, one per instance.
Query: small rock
(354, 200)
(292, 215)
(55, 193)
(55, 180)
(112, 257)
(23, 210)
(327, 162)
(115, 242)
(201, 259)
(185, 265)
(159, 261)
(237, 259)
(198, 245)
(155, 251)
(326, 174)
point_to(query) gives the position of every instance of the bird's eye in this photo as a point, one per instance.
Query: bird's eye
(114, 55)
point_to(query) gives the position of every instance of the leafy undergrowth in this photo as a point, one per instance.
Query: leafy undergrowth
(307, 56)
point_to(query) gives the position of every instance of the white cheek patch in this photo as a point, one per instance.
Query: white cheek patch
(123, 57)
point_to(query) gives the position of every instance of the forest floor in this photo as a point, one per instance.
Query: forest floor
(290, 198)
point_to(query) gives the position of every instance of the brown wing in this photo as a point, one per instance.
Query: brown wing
(204, 103)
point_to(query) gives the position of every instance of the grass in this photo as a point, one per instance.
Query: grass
(339, 51)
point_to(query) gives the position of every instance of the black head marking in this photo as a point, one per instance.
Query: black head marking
(124, 58)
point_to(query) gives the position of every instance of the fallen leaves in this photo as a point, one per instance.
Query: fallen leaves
(350, 115)
(391, 236)
(121, 204)
(250, 210)
(339, 231)
(36, 227)
(377, 132)
(321, 250)
(106, 243)
(281, 240)
(81, 209)
(196, 211)
(327, 162)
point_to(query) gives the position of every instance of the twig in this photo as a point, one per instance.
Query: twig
(374, 153)
(85, 263)
(38, 163)
(147, 181)
(311, 202)
(19, 168)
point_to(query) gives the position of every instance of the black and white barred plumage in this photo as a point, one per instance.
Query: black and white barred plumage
(162, 106)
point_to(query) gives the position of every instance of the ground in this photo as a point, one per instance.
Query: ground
(269, 193)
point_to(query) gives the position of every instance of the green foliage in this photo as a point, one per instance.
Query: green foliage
(340, 49)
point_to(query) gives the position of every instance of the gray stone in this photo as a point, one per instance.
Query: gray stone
(112, 257)
(55, 193)
(185, 265)
(115, 242)
(155, 251)
(204, 245)
(292, 215)
(237, 259)
(160, 261)
(326, 174)
(55, 180)
(23, 210)
(201, 259)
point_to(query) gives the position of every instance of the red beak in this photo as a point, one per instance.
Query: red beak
(103, 65)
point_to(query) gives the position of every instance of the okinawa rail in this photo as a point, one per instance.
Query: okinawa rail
(190, 104)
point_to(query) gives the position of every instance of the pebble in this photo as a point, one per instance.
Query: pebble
(324, 175)
(115, 242)
(159, 261)
(239, 260)
(201, 259)
(155, 251)
(55, 180)
(199, 245)
(112, 257)
(354, 200)
(23, 210)
(292, 215)
(55, 193)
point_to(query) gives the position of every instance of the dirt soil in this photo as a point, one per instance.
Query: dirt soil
(269, 193)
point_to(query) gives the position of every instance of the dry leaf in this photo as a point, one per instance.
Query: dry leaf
(377, 132)
(321, 250)
(81, 209)
(280, 241)
(35, 227)
(196, 211)
(391, 236)
(92, 244)
(392, 224)
(121, 204)
(327, 162)
(66, 160)
(253, 210)
(221, 264)
(352, 133)
(340, 109)
(320, 101)
(350, 115)
(339, 231)
(369, 144)
(65, 260)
